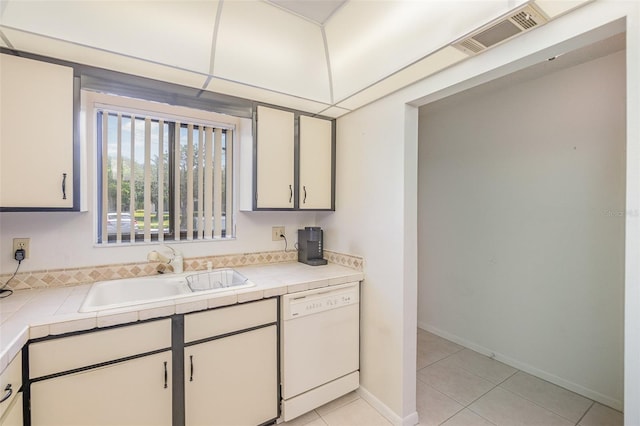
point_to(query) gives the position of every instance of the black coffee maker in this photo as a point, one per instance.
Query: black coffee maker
(310, 246)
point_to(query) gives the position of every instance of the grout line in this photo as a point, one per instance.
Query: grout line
(585, 413)
(510, 376)
(540, 405)
(434, 362)
(453, 415)
(495, 385)
(479, 415)
(469, 404)
(340, 405)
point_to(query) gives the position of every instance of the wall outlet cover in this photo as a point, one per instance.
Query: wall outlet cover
(276, 231)
(21, 243)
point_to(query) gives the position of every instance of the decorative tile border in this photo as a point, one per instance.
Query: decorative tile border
(348, 260)
(76, 276)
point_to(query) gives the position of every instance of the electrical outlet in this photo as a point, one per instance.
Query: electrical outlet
(276, 231)
(21, 243)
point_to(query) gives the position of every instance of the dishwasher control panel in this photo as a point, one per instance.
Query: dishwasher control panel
(310, 302)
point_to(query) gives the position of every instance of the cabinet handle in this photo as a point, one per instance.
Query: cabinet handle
(165, 375)
(191, 368)
(8, 393)
(290, 194)
(64, 186)
(304, 188)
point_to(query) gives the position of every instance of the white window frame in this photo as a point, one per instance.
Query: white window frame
(93, 102)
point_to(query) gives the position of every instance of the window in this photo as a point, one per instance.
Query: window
(162, 177)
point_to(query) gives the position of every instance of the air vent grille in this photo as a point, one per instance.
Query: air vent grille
(525, 20)
(501, 31)
(497, 32)
(472, 45)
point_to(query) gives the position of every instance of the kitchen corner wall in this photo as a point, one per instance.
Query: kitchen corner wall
(521, 224)
(375, 201)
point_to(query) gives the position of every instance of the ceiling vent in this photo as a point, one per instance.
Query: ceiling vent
(495, 33)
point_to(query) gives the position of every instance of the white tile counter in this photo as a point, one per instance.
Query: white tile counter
(30, 314)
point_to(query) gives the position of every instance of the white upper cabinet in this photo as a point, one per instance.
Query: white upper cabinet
(293, 162)
(36, 134)
(275, 159)
(316, 152)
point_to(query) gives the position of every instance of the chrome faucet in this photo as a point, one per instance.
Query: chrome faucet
(175, 262)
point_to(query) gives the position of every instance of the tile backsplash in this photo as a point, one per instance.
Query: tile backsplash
(76, 276)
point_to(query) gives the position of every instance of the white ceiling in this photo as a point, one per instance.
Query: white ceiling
(321, 56)
(317, 11)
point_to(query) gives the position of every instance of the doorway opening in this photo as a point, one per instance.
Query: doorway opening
(521, 221)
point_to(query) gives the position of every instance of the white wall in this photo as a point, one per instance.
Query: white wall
(66, 240)
(369, 221)
(521, 224)
(375, 190)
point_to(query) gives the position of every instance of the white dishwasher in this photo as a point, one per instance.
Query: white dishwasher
(320, 351)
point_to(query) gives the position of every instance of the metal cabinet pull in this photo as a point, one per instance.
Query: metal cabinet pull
(304, 188)
(8, 393)
(64, 186)
(191, 368)
(166, 377)
(290, 193)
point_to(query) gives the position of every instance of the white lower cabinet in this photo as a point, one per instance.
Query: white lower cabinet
(231, 360)
(10, 395)
(13, 414)
(232, 380)
(115, 376)
(134, 392)
(123, 376)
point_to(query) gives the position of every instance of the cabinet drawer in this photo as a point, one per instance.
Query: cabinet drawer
(212, 323)
(68, 353)
(12, 375)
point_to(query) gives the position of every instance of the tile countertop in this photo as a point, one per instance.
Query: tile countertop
(30, 314)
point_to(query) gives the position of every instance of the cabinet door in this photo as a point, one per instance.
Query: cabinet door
(274, 158)
(13, 414)
(10, 383)
(232, 380)
(135, 392)
(36, 134)
(316, 152)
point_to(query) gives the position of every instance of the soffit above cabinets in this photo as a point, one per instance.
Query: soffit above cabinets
(321, 56)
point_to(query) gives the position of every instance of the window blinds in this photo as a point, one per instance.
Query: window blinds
(164, 179)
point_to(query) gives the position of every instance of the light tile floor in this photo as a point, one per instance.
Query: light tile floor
(459, 387)
(349, 410)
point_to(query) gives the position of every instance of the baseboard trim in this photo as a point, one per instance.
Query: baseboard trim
(382, 408)
(549, 377)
